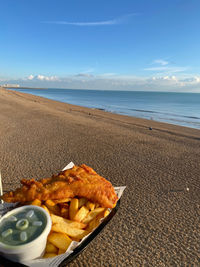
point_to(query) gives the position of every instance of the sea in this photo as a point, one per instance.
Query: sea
(174, 108)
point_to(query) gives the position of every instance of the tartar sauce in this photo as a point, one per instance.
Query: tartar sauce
(22, 227)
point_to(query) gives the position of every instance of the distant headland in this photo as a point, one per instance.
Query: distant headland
(17, 86)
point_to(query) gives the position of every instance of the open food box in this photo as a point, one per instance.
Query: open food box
(75, 247)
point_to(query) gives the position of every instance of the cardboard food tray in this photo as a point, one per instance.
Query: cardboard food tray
(66, 258)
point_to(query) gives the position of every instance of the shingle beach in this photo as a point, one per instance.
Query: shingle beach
(157, 223)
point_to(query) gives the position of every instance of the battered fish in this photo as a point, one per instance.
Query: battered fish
(80, 181)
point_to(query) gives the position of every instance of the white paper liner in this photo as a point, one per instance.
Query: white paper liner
(55, 261)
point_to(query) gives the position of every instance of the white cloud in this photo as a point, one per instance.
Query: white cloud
(30, 77)
(197, 79)
(165, 78)
(97, 23)
(46, 78)
(108, 74)
(192, 80)
(167, 69)
(161, 62)
(164, 67)
(41, 78)
(86, 75)
(119, 20)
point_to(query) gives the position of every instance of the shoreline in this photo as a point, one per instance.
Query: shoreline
(158, 220)
(188, 124)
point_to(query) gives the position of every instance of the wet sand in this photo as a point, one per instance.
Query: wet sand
(158, 221)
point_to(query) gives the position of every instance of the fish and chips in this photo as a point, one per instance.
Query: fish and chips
(76, 199)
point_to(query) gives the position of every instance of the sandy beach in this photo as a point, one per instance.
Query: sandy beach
(158, 220)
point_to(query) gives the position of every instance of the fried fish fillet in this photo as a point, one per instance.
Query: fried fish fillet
(80, 181)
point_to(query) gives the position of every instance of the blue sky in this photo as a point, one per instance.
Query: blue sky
(101, 44)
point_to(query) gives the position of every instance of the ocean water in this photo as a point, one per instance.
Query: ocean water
(175, 108)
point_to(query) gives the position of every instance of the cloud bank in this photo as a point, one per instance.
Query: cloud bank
(112, 81)
(163, 76)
